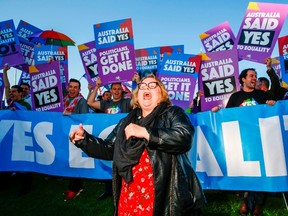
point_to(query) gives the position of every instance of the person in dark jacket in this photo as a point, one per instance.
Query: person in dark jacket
(275, 90)
(152, 174)
(250, 96)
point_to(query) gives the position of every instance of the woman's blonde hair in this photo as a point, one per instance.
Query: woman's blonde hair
(165, 97)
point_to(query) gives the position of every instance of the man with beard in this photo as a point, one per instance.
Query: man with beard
(249, 96)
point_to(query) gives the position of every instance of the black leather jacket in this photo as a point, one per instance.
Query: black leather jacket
(277, 92)
(177, 189)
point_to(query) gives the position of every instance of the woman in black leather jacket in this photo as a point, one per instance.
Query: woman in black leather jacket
(152, 174)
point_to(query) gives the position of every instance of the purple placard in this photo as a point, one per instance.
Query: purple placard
(1, 89)
(44, 53)
(259, 30)
(24, 31)
(147, 61)
(283, 56)
(89, 60)
(179, 73)
(10, 51)
(46, 87)
(185, 63)
(218, 78)
(24, 78)
(27, 50)
(276, 66)
(219, 38)
(180, 88)
(115, 51)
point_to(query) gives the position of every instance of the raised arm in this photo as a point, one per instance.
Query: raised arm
(90, 89)
(6, 80)
(275, 81)
(91, 98)
(94, 146)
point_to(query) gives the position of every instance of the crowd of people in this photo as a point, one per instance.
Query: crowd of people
(254, 91)
(149, 146)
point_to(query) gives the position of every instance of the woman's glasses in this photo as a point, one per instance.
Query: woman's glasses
(150, 85)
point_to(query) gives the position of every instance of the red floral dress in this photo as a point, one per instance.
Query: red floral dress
(137, 197)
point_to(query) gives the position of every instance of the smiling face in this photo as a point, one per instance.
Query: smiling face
(116, 91)
(149, 98)
(14, 94)
(73, 89)
(250, 81)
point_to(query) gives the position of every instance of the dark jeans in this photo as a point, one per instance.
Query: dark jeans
(108, 187)
(254, 198)
(23, 179)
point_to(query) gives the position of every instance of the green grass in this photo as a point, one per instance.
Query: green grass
(46, 198)
(226, 203)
